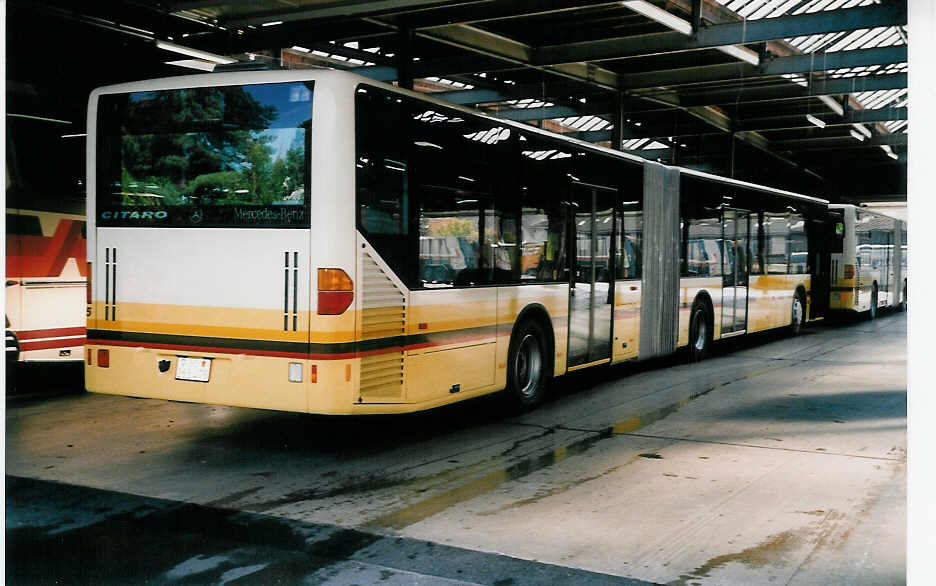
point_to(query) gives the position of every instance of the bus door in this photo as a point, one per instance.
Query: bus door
(735, 268)
(591, 294)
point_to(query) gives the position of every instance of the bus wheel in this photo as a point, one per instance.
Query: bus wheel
(700, 335)
(872, 313)
(798, 314)
(526, 365)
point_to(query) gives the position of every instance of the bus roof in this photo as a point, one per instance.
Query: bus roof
(352, 80)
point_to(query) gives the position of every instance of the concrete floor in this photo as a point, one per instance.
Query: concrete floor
(777, 461)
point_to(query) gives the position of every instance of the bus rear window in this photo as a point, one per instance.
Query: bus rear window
(231, 156)
(837, 239)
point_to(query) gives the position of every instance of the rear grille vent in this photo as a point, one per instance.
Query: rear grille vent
(383, 304)
(382, 377)
(383, 315)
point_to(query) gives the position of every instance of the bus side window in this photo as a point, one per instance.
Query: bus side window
(383, 177)
(775, 242)
(798, 245)
(629, 241)
(756, 239)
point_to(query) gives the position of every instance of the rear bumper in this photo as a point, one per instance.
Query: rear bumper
(238, 380)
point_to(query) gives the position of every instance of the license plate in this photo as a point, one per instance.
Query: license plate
(194, 369)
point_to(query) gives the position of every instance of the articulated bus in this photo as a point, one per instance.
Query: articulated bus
(45, 241)
(315, 241)
(869, 261)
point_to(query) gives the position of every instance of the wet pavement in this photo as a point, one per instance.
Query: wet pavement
(779, 460)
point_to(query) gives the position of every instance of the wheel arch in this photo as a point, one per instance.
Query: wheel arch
(800, 291)
(537, 312)
(705, 297)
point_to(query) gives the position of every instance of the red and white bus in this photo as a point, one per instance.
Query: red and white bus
(45, 240)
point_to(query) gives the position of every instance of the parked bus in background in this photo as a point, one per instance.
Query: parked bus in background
(45, 240)
(869, 261)
(432, 254)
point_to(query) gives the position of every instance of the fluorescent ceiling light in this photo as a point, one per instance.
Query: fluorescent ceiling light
(42, 118)
(272, 23)
(658, 14)
(832, 104)
(182, 50)
(742, 53)
(669, 19)
(816, 121)
(74, 135)
(301, 49)
(858, 136)
(890, 152)
(193, 64)
(860, 128)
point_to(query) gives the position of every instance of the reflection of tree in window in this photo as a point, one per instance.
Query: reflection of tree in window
(213, 146)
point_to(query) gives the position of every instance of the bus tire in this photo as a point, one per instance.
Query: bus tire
(700, 331)
(797, 313)
(527, 361)
(872, 311)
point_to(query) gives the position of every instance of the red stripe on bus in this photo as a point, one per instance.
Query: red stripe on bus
(45, 345)
(207, 349)
(52, 333)
(275, 354)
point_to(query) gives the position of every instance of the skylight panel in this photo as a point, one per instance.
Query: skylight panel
(750, 7)
(836, 4)
(896, 125)
(820, 5)
(527, 103)
(634, 143)
(774, 9)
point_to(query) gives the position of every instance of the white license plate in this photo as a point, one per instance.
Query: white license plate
(195, 369)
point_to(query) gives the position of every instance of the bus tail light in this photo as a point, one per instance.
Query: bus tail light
(849, 272)
(103, 358)
(335, 291)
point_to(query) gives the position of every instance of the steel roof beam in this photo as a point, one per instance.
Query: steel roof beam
(841, 142)
(794, 121)
(836, 60)
(791, 91)
(778, 66)
(719, 35)
(494, 45)
(485, 11)
(341, 9)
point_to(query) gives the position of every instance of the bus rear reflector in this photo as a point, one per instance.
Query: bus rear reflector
(103, 358)
(335, 291)
(849, 272)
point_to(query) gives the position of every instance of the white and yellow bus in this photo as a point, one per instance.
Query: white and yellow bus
(315, 241)
(869, 261)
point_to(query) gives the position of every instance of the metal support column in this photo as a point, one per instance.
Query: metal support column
(405, 58)
(696, 16)
(617, 119)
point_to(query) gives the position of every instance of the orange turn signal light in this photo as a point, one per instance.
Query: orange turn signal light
(334, 280)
